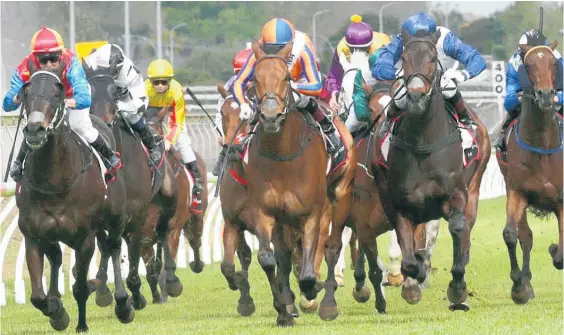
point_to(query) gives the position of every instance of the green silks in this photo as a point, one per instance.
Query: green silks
(360, 100)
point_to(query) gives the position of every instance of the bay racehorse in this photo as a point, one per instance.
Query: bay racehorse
(426, 176)
(144, 184)
(237, 213)
(533, 170)
(63, 197)
(185, 218)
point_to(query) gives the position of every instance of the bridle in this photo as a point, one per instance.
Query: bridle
(435, 75)
(269, 96)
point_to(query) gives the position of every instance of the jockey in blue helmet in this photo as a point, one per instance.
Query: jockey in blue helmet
(448, 46)
(512, 103)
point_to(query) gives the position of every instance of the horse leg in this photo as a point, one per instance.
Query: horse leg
(230, 241)
(283, 255)
(124, 310)
(82, 287)
(394, 276)
(55, 257)
(246, 306)
(103, 294)
(354, 250)
(51, 306)
(457, 292)
(340, 267)
(195, 240)
(133, 280)
(525, 235)
(370, 248)
(432, 232)
(170, 247)
(153, 265)
(410, 292)
(264, 227)
(556, 251)
(361, 292)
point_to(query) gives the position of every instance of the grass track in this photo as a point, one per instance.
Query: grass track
(207, 306)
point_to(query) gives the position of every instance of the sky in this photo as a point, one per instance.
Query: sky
(478, 8)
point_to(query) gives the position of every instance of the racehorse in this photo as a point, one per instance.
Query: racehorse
(533, 171)
(142, 182)
(420, 183)
(63, 197)
(237, 210)
(192, 222)
(286, 148)
(367, 210)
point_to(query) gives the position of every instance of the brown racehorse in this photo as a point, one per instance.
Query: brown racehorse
(420, 182)
(533, 171)
(184, 218)
(63, 197)
(237, 212)
(287, 148)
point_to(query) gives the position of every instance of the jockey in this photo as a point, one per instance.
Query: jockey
(47, 51)
(164, 91)
(358, 37)
(238, 63)
(133, 101)
(302, 66)
(512, 103)
(448, 45)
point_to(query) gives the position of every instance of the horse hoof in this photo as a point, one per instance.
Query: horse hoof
(411, 294)
(308, 306)
(395, 280)
(125, 314)
(62, 323)
(174, 288)
(292, 310)
(104, 297)
(464, 306)
(285, 322)
(457, 292)
(140, 302)
(553, 251)
(339, 278)
(197, 266)
(520, 295)
(328, 313)
(82, 329)
(246, 308)
(362, 295)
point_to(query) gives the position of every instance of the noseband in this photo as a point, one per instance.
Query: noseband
(58, 106)
(435, 75)
(269, 96)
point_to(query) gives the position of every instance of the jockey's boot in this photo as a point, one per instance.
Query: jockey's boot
(500, 140)
(150, 142)
(197, 188)
(219, 163)
(328, 128)
(112, 161)
(16, 171)
(460, 108)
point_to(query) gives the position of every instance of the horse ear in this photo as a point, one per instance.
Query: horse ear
(404, 36)
(61, 68)
(113, 66)
(222, 91)
(367, 89)
(285, 52)
(436, 35)
(553, 45)
(255, 46)
(31, 66)
(162, 114)
(87, 69)
(525, 48)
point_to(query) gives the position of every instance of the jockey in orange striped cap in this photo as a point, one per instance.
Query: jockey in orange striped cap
(303, 69)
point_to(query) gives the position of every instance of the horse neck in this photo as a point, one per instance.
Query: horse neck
(429, 126)
(57, 164)
(285, 142)
(538, 127)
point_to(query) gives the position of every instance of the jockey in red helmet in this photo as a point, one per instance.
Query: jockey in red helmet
(48, 52)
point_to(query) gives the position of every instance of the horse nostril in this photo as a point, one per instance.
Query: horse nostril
(415, 95)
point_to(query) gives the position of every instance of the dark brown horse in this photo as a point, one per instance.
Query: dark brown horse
(425, 178)
(287, 147)
(237, 213)
(144, 183)
(184, 218)
(63, 197)
(533, 171)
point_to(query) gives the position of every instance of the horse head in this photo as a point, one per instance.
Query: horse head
(156, 119)
(230, 118)
(420, 68)
(358, 62)
(43, 100)
(378, 101)
(105, 92)
(272, 84)
(541, 68)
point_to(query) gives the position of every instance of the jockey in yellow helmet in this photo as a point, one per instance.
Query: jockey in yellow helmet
(164, 91)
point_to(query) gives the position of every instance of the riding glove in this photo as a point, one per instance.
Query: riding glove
(246, 112)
